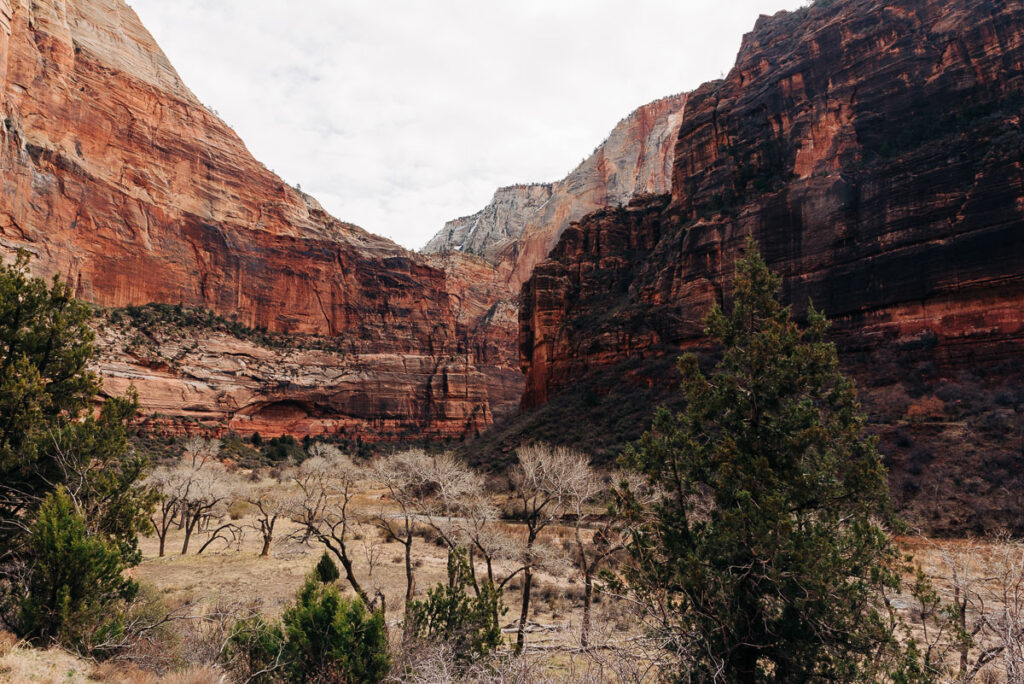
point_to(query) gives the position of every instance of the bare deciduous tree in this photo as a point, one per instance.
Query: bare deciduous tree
(197, 452)
(610, 532)
(204, 497)
(448, 487)
(272, 503)
(403, 476)
(581, 492)
(327, 482)
(542, 480)
(192, 494)
(464, 514)
(984, 621)
(165, 513)
(486, 536)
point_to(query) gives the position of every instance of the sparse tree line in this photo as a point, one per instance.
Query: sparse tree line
(749, 538)
(426, 495)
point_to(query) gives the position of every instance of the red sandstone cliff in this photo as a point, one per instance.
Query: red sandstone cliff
(874, 149)
(113, 174)
(522, 223)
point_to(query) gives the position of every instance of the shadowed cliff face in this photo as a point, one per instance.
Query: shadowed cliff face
(115, 176)
(874, 149)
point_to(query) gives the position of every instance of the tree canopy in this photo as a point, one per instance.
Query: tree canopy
(71, 500)
(765, 559)
(76, 587)
(45, 346)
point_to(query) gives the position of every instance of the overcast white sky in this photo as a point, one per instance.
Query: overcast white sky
(401, 114)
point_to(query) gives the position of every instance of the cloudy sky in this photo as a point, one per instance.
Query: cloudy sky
(401, 114)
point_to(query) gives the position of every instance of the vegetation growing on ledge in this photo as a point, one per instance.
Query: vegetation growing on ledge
(155, 317)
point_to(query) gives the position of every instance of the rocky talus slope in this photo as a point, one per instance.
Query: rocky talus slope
(113, 174)
(875, 151)
(522, 223)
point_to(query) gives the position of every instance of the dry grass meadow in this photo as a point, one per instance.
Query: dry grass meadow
(233, 578)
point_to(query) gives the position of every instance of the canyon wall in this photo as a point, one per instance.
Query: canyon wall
(522, 223)
(875, 151)
(114, 175)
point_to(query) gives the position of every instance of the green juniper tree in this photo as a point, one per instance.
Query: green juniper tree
(322, 637)
(326, 570)
(104, 473)
(45, 346)
(450, 615)
(255, 650)
(331, 638)
(54, 451)
(765, 559)
(76, 587)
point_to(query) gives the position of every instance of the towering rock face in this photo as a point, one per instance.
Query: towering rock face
(875, 151)
(490, 231)
(522, 223)
(113, 174)
(486, 325)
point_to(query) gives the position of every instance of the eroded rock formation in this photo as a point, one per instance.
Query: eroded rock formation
(875, 151)
(522, 223)
(113, 174)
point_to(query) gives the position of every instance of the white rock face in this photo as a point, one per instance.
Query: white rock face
(522, 223)
(501, 220)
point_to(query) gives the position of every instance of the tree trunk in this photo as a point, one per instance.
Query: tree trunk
(491, 585)
(961, 608)
(588, 595)
(215, 535)
(472, 570)
(163, 526)
(267, 528)
(351, 576)
(188, 536)
(745, 665)
(521, 635)
(410, 580)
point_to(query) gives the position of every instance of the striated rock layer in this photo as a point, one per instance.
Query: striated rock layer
(875, 151)
(522, 223)
(288, 384)
(113, 174)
